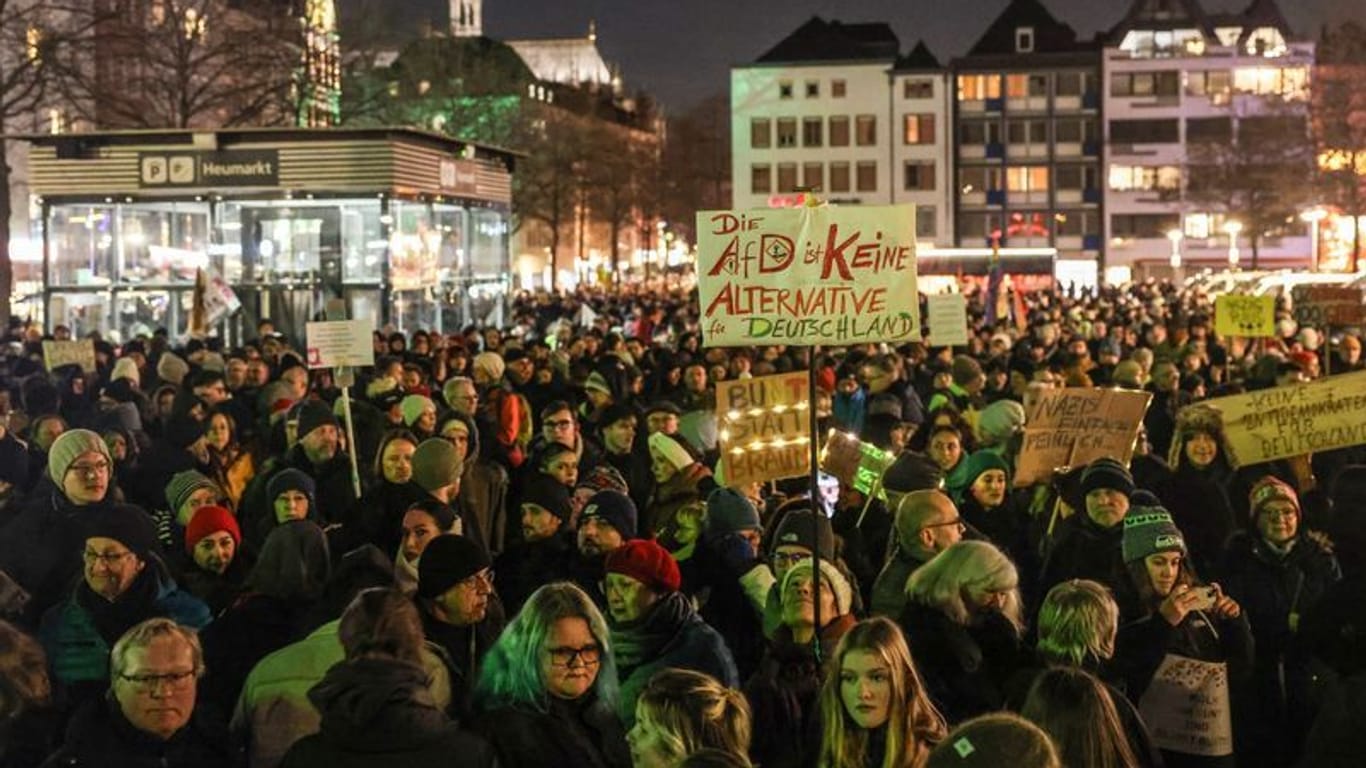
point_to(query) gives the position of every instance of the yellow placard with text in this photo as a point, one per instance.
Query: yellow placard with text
(1238, 315)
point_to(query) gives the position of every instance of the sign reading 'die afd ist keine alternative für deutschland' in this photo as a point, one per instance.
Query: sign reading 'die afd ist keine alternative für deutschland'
(808, 275)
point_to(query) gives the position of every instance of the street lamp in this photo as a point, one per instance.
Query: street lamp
(1313, 216)
(1175, 235)
(1232, 228)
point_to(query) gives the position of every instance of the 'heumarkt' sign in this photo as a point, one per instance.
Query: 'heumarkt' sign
(222, 168)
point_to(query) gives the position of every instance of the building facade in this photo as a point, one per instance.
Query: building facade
(1204, 116)
(836, 109)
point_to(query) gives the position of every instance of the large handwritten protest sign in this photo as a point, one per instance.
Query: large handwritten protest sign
(1237, 315)
(765, 428)
(1325, 305)
(1186, 707)
(808, 275)
(1288, 421)
(1075, 426)
(78, 352)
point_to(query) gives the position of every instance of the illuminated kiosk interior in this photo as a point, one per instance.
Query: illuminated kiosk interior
(408, 227)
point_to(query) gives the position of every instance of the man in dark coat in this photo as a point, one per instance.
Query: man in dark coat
(546, 551)
(1089, 545)
(460, 612)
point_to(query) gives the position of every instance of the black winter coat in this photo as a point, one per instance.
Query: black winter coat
(526, 566)
(378, 713)
(784, 697)
(1083, 550)
(41, 549)
(583, 734)
(965, 668)
(99, 736)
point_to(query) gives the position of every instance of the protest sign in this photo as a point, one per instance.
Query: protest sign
(336, 343)
(1280, 422)
(765, 428)
(1237, 315)
(948, 316)
(1186, 707)
(1325, 305)
(854, 463)
(1075, 426)
(78, 352)
(219, 299)
(808, 275)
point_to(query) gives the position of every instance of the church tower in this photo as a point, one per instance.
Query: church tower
(467, 18)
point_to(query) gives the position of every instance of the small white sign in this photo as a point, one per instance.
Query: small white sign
(948, 320)
(337, 343)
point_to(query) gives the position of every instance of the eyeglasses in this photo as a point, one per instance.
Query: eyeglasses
(564, 656)
(789, 558)
(957, 521)
(175, 681)
(482, 579)
(91, 470)
(559, 423)
(110, 559)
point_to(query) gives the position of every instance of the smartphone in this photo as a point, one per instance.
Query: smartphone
(1205, 598)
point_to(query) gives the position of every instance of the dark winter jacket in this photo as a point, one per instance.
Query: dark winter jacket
(1199, 502)
(965, 668)
(41, 549)
(379, 712)
(99, 736)
(378, 517)
(335, 494)
(1080, 549)
(526, 566)
(584, 733)
(462, 649)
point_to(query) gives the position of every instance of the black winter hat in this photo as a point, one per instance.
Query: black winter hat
(314, 414)
(912, 472)
(128, 525)
(448, 560)
(549, 494)
(615, 508)
(1107, 473)
(796, 528)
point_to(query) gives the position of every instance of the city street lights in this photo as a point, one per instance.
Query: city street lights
(1232, 228)
(1313, 216)
(1175, 235)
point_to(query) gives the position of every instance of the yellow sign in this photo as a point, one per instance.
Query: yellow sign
(1280, 422)
(1237, 315)
(76, 352)
(808, 275)
(765, 428)
(1075, 426)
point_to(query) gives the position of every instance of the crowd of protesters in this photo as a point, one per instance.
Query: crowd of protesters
(193, 574)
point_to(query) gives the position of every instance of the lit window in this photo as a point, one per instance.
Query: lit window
(919, 129)
(33, 44)
(1027, 178)
(865, 130)
(979, 87)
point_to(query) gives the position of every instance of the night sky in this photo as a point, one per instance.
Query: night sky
(681, 50)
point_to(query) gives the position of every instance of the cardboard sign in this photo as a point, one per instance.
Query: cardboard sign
(1237, 315)
(78, 352)
(1075, 426)
(948, 316)
(854, 463)
(1288, 421)
(808, 275)
(765, 428)
(337, 343)
(220, 300)
(1186, 707)
(1323, 305)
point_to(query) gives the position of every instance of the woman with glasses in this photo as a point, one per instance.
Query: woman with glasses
(547, 690)
(963, 618)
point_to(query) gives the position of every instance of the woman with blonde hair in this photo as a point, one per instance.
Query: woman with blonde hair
(875, 711)
(963, 619)
(682, 712)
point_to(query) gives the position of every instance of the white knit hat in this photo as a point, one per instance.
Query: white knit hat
(844, 593)
(670, 450)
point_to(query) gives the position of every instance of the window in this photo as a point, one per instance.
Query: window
(979, 87)
(839, 130)
(917, 88)
(813, 89)
(784, 89)
(787, 177)
(1038, 85)
(1068, 84)
(813, 175)
(1143, 224)
(865, 130)
(839, 177)
(919, 129)
(787, 131)
(926, 227)
(1075, 223)
(979, 179)
(1024, 39)
(979, 225)
(760, 179)
(867, 176)
(1074, 131)
(1144, 131)
(979, 132)
(837, 89)
(1290, 83)
(1131, 178)
(1027, 178)
(919, 176)
(1145, 84)
(1027, 132)
(1216, 84)
(1017, 86)
(760, 133)
(811, 131)
(1204, 130)
(1075, 177)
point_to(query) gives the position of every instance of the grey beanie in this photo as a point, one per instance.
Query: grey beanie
(70, 446)
(729, 511)
(182, 484)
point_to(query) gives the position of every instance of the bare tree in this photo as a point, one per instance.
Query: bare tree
(548, 183)
(620, 173)
(1340, 124)
(696, 162)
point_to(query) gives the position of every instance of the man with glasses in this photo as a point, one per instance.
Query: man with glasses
(460, 611)
(124, 582)
(40, 548)
(560, 425)
(926, 524)
(150, 716)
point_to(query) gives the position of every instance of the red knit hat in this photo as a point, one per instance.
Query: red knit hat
(648, 563)
(209, 520)
(1271, 488)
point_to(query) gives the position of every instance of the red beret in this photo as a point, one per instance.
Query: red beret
(209, 520)
(648, 563)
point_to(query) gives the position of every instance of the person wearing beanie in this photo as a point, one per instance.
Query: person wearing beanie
(437, 471)
(215, 570)
(727, 552)
(460, 611)
(608, 521)
(483, 482)
(926, 522)
(800, 532)
(80, 466)
(1089, 545)
(419, 414)
(654, 625)
(172, 369)
(965, 389)
(1180, 617)
(545, 552)
(1279, 571)
(503, 414)
(124, 582)
(1205, 495)
(998, 423)
(784, 691)
(617, 430)
(681, 481)
(188, 491)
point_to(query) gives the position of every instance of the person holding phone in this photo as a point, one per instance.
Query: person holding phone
(1183, 619)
